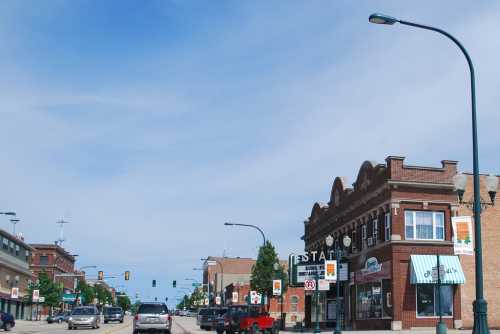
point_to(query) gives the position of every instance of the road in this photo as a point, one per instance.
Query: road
(29, 327)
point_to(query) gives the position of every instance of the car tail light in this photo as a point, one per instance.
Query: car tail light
(136, 317)
(169, 318)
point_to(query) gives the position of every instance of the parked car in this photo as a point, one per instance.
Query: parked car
(59, 317)
(250, 319)
(7, 321)
(84, 316)
(152, 317)
(207, 317)
(113, 314)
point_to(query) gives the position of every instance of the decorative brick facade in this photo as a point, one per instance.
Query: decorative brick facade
(387, 192)
(54, 260)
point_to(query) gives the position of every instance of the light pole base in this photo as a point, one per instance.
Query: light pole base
(480, 307)
(337, 331)
(441, 328)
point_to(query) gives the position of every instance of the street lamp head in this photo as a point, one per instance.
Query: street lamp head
(459, 182)
(378, 18)
(346, 241)
(228, 224)
(492, 186)
(329, 240)
(9, 213)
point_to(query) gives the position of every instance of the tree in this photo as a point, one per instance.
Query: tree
(87, 292)
(48, 289)
(135, 306)
(185, 303)
(263, 272)
(123, 301)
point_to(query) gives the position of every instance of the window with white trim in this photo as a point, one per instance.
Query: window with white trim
(294, 303)
(375, 231)
(424, 225)
(354, 241)
(363, 231)
(387, 226)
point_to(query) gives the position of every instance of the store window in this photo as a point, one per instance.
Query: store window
(294, 304)
(44, 260)
(387, 226)
(17, 250)
(424, 225)
(369, 301)
(5, 244)
(427, 297)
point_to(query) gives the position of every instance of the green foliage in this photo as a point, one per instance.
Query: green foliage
(185, 303)
(87, 292)
(263, 272)
(135, 306)
(123, 301)
(103, 296)
(48, 289)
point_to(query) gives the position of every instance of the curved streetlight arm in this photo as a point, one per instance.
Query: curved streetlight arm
(480, 305)
(249, 225)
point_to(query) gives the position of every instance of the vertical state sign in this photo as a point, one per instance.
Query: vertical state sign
(331, 270)
(36, 296)
(277, 287)
(463, 242)
(235, 297)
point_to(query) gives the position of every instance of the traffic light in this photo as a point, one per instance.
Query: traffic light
(174, 283)
(100, 275)
(127, 275)
(154, 283)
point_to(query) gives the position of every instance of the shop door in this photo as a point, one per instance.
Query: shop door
(2, 302)
(18, 310)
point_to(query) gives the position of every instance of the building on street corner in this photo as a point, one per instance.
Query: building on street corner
(15, 275)
(399, 219)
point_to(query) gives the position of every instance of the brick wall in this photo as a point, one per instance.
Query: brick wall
(490, 225)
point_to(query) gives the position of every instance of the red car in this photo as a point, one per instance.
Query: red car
(247, 319)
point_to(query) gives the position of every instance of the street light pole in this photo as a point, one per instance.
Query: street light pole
(249, 225)
(480, 306)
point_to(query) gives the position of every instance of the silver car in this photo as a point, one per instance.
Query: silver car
(152, 317)
(84, 316)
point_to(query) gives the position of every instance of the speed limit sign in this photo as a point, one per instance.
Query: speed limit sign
(309, 285)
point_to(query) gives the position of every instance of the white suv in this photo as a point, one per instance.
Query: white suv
(152, 317)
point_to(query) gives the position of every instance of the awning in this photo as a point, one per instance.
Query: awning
(421, 269)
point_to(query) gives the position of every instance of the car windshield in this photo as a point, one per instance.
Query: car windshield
(83, 311)
(152, 309)
(204, 311)
(112, 310)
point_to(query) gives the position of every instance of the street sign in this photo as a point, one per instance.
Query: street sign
(309, 285)
(36, 295)
(41, 299)
(255, 298)
(323, 285)
(331, 270)
(14, 293)
(277, 287)
(195, 285)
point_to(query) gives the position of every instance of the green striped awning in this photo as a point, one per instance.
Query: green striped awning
(421, 269)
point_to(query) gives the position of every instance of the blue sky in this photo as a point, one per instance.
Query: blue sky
(147, 124)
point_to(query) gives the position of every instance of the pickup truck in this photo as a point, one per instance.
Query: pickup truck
(246, 319)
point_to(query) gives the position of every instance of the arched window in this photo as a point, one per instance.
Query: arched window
(294, 302)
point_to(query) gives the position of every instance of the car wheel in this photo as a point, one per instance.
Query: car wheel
(59, 321)
(7, 327)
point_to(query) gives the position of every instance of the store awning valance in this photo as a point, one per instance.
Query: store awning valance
(421, 269)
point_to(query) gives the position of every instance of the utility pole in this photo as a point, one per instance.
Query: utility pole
(61, 222)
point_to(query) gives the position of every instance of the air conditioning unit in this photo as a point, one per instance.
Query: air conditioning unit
(370, 241)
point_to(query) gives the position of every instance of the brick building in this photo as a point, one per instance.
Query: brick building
(490, 225)
(54, 260)
(15, 275)
(399, 218)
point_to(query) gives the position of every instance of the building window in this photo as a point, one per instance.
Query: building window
(294, 304)
(354, 241)
(375, 231)
(387, 226)
(427, 296)
(363, 232)
(44, 260)
(12, 246)
(369, 301)
(5, 244)
(424, 225)
(17, 250)
(27, 253)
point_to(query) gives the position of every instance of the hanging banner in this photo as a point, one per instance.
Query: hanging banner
(36, 296)
(217, 300)
(463, 241)
(331, 270)
(277, 287)
(14, 293)
(235, 298)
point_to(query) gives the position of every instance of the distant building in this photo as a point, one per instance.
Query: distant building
(15, 275)
(54, 260)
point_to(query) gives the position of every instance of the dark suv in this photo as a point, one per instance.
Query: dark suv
(152, 317)
(113, 314)
(207, 317)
